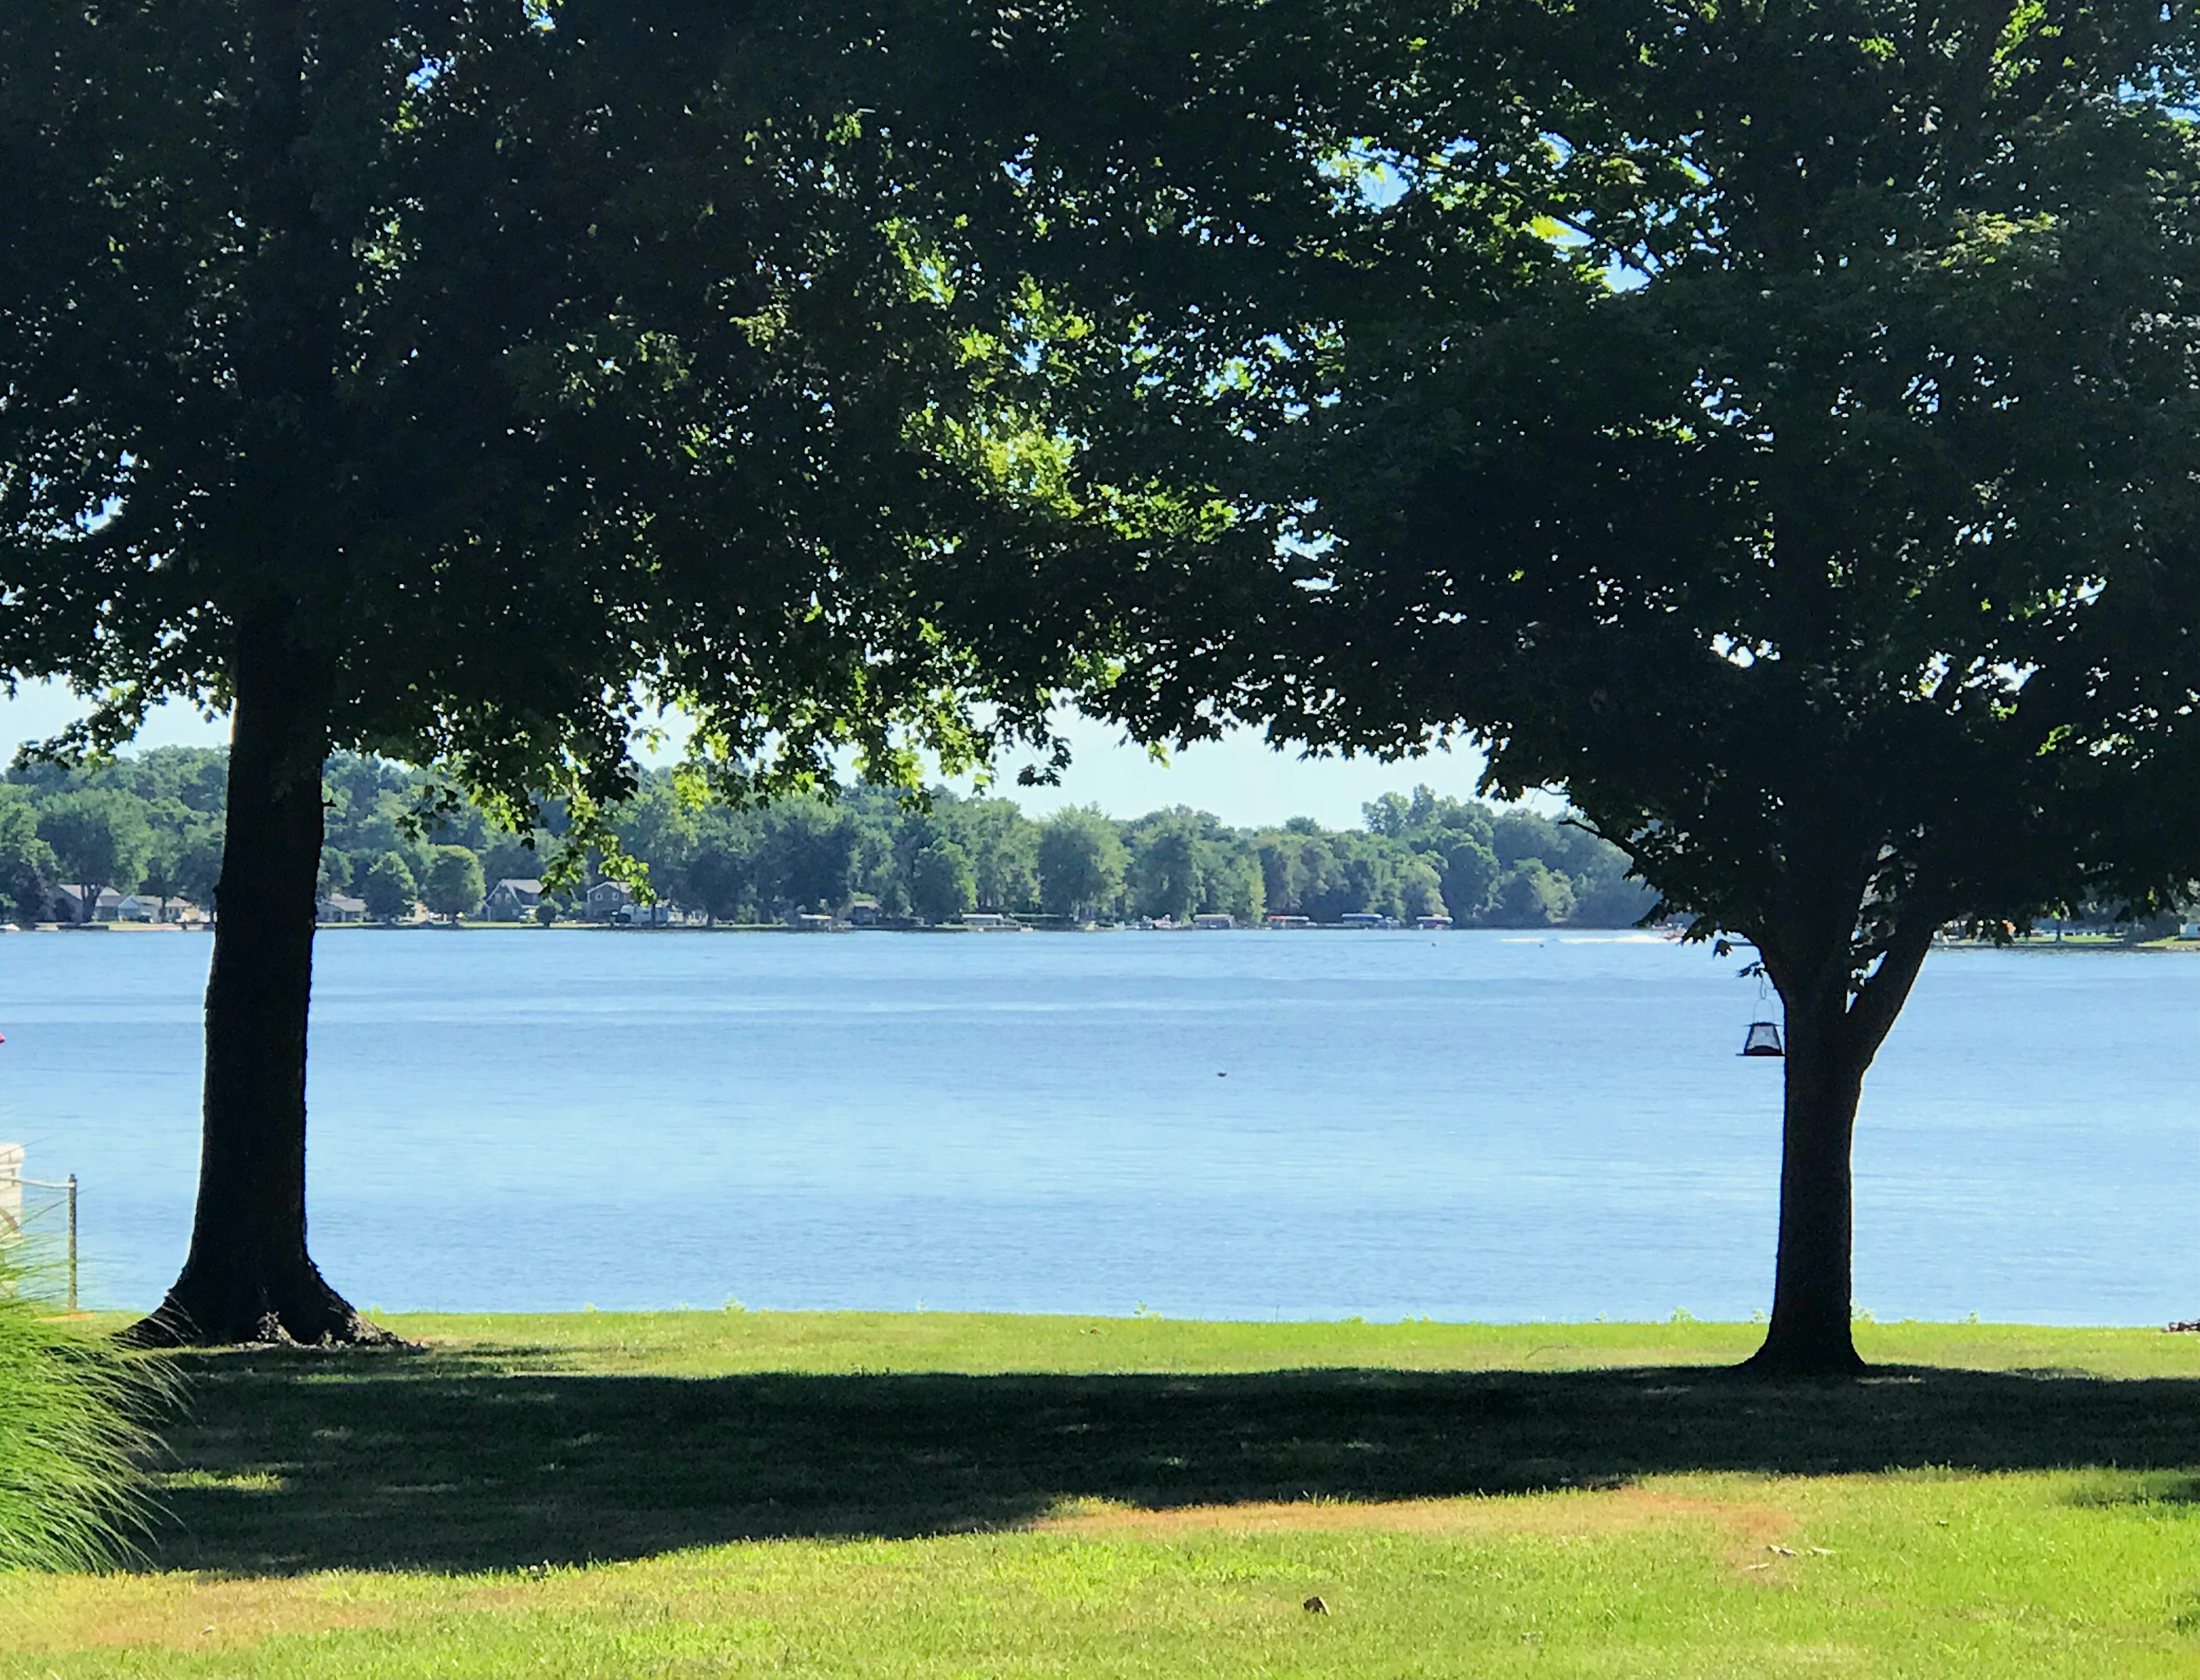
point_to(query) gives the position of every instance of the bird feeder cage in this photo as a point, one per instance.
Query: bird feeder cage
(1763, 1040)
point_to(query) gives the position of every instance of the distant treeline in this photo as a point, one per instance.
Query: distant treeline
(151, 825)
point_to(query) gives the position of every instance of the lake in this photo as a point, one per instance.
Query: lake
(1468, 1125)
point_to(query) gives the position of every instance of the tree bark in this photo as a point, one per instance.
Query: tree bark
(1812, 1279)
(248, 1277)
(1831, 1041)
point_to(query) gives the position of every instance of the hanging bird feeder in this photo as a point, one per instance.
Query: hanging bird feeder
(1763, 1038)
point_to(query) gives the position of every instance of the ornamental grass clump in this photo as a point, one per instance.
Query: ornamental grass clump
(72, 1434)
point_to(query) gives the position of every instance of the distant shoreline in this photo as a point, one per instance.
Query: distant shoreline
(2072, 944)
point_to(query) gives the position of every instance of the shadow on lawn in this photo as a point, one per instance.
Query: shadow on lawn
(470, 1462)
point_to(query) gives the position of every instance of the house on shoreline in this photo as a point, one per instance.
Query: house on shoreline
(121, 906)
(513, 899)
(603, 902)
(69, 901)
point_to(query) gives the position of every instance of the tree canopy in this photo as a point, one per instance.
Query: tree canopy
(453, 380)
(1815, 498)
(99, 839)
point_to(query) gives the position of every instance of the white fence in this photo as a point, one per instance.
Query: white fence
(37, 1207)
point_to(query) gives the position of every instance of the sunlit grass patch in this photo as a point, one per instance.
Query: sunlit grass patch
(2000, 1575)
(242, 1481)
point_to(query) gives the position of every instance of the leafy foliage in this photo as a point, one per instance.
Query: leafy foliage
(390, 830)
(99, 839)
(1812, 491)
(71, 1431)
(497, 360)
(389, 890)
(1816, 504)
(27, 864)
(1079, 859)
(454, 886)
(941, 884)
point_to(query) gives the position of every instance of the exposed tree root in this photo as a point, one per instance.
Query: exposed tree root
(308, 1314)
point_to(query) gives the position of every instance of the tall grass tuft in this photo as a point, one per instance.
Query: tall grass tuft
(72, 1431)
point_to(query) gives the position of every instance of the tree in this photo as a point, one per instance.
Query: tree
(1080, 863)
(161, 871)
(198, 863)
(100, 839)
(1606, 896)
(454, 885)
(1231, 883)
(1841, 559)
(1528, 895)
(26, 862)
(422, 377)
(721, 869)
(389, 890)
(807, 855)
(657, 829)
(1390, 815)
(1420, 889)
(1470, 870)
(510, 857)
(941, 883)
(1004, 847)
(1516, 836)
(1169, 859)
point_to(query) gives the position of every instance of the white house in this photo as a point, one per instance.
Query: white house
(340, 908)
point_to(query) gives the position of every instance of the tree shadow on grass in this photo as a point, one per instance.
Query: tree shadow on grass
(470, 1462)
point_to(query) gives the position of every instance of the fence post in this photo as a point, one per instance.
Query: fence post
(71, 1242)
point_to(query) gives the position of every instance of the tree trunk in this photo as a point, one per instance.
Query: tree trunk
(248, 1277)
(1831, 1041)
(1811, 1295)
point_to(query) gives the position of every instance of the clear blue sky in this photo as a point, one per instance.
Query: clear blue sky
(1239, 779)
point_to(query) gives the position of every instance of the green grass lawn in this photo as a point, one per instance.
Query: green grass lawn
(699, 1494)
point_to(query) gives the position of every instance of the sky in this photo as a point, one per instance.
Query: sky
(1239, 779)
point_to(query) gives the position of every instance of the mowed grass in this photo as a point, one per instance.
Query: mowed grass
(726, 1493)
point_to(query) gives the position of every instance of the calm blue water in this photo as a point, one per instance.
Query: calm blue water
(1469, 1125)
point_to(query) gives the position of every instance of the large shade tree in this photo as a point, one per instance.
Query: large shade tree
(449, 378)
(1812, 491)
(101, 838)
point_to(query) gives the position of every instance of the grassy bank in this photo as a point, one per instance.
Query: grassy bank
(701, 1494)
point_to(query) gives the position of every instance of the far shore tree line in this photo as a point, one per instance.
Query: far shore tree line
(151, 826)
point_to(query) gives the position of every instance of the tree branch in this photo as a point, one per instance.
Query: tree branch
(1871, 1016)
